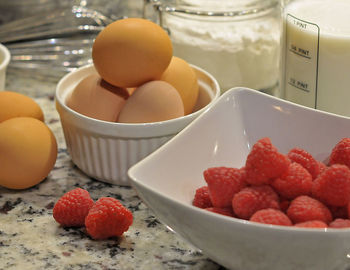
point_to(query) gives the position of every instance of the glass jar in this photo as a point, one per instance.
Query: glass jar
(316, 54)
(237, 41)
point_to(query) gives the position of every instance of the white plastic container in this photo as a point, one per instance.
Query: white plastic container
(4, 62)
(316, 69)
(106, 150)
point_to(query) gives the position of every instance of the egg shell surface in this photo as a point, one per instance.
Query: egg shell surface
(181, 75)
(203, 99)
(152, 102)
(28, 152)
(97, 99)
(13, 104)
(132, 51)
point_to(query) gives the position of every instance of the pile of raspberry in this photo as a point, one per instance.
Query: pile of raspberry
(288, 190)
(105, 218)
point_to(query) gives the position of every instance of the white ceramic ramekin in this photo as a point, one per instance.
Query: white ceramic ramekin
(4, 61)
(106, 150)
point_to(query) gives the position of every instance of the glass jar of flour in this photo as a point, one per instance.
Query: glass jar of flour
(237, 41)
(316, 54)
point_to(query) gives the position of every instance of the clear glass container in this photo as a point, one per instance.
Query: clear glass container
(316, 54)
(238, 41)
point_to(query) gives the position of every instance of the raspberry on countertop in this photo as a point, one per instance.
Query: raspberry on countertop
(108, 218)
(72, 208)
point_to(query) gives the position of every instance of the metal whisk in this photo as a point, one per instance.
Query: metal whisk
(61, 40)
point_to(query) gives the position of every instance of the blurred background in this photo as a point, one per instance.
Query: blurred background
(237, 41)
(17, 9)
(52, 37)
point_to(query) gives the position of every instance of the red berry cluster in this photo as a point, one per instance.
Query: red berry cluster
(273, 188)
(104, 218)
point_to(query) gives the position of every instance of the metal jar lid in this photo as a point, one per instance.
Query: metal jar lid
(215, 8)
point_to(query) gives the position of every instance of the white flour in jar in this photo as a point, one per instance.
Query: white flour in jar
(237, 53)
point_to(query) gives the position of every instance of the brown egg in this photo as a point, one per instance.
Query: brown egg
(13, 104)
(97, 99)
(203, 99)
(28, 152)
(152, 102)
(130, 52)
(131, 90)
(180, 75)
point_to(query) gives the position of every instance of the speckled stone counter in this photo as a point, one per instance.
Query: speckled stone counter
(31, 239)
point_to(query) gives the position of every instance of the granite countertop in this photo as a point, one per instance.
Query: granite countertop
(31, 239)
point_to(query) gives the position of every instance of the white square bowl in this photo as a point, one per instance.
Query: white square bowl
(222, 136)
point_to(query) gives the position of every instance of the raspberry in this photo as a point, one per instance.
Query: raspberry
(340, 223)
(226, 211)
(284, 204)
(107, 218)
(333, 185)
(72, 208)
(338, 211)
(251, 199)
(264, 162)
(223, 183)
(271, 216)
(322, 167)
(201, 198)
(341, 153)
(305, 208)
(312, 224)
(348, 210)
(305, 159)
(294, 182)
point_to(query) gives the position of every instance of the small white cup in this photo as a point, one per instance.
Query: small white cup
(4, 61)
